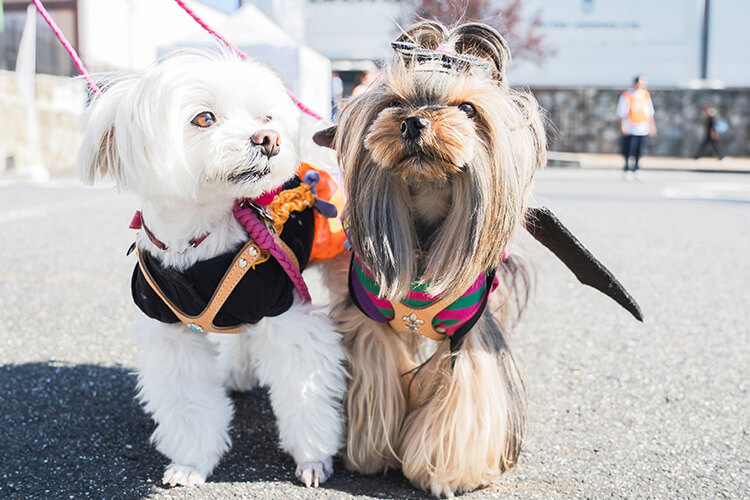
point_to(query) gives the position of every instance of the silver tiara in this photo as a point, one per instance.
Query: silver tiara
(442, 59)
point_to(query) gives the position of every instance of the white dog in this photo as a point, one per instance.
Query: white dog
(191, 136)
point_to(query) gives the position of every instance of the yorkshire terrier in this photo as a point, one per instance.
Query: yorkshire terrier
(190, 137)
(438, 159)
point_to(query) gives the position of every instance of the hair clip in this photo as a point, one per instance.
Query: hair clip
(444, 59)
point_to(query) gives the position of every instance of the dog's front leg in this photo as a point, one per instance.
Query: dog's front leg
(236, 371)
(299, 356)
(376, 400)
(180, 387)
(468, 423)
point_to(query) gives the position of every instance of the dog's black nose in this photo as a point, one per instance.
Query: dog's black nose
(411, 127)
(268, 140)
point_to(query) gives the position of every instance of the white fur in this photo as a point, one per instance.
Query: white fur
(139, 133)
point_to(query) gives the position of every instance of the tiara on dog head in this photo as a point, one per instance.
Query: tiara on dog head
(444, 59)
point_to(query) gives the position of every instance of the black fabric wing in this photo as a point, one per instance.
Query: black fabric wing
(550, 232)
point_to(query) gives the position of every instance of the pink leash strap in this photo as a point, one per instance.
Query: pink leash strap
(65, 43)
(82, 69)
(244, 56)
(208, 28)
(262, 236)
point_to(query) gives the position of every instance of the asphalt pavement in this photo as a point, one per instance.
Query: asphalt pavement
(618, 408)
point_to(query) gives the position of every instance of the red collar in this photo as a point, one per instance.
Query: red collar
(137, 223)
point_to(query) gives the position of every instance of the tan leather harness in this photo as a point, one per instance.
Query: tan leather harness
(249, 256)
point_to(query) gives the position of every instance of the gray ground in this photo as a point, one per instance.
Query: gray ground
(618, 408)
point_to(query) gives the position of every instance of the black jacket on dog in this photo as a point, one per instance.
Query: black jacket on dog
(264, 291)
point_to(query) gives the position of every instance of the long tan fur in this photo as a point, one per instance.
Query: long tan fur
(381, 392)
(468, 423)
(440, 209)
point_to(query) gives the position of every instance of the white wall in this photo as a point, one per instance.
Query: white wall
(608, 42)
(288, 14)
(352, 30)
(729, 44)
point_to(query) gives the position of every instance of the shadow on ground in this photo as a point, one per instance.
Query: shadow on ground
(75, 431)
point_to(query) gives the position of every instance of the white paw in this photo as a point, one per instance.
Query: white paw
(182, 475)
(314, 473)
(441, 490)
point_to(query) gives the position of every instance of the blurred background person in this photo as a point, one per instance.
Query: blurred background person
(712, 136)
(337, 92)
(636, 112)
(366, 78)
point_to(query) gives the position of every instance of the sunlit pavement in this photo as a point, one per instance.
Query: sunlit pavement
(618, 408)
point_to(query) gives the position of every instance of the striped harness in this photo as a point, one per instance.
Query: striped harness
(435, 317)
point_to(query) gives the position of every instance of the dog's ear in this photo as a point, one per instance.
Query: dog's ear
(550, 232)
(98, 155)
(426, 34)
(325, 137)
(480, 40)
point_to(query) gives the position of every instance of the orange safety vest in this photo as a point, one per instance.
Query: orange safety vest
(637, 102)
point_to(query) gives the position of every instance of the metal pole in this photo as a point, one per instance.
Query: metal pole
(704, 41)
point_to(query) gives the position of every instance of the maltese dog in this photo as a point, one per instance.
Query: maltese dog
(190, 137)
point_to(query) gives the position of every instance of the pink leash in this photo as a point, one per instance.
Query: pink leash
(82, 69)
(226, 42)
(65, 43)
(262, 236)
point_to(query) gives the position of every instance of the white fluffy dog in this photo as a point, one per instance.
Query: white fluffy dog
(191, 136)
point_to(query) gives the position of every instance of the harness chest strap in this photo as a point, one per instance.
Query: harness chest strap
(413, 320)
(248, 256)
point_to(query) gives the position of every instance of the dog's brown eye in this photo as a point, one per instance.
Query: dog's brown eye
(468, 109)
(204, 120)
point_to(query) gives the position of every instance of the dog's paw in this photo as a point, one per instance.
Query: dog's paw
(182, 475)
(314, 473)
(442, 490)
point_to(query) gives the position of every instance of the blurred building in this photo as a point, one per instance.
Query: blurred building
(108, 34)
(115, 35)
(599, 46)
(353, 34)
(694, 53)
(683, 43)
(677, 43)
(131, 34)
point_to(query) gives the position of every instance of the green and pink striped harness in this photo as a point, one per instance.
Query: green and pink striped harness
(453, 320)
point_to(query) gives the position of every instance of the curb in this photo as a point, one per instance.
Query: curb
(660, 163)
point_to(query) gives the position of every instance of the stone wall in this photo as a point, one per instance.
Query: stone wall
(59, 103)
(583, 120)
